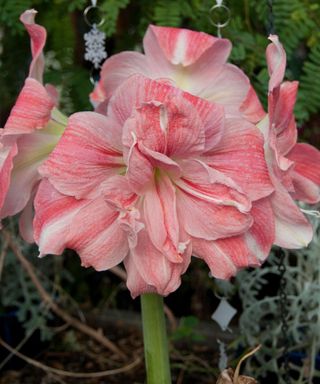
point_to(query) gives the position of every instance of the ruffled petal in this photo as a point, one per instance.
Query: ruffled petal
(8, 150)
(31, 111)
(306, 172)
(90, 227)
(218, 255)
(276, 59)
(226, 256)
(161, 219)
(211, 185)
(293, 230)
(207, 220)
(261, 236)
(154, 267)
(90, 146)
(240, 156)
(281, 105)
(38, 37)
(135, 283)
(139, 170)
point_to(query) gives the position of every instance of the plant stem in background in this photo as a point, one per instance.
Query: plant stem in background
(155, 339)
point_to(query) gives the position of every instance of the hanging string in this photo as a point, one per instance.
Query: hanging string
(94, 39)
(219, 16)
(271, 27)
(283, 304)
(283, 298)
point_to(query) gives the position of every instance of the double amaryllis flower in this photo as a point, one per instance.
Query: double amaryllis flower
(174, 165)
(139, 187)
(31, 132)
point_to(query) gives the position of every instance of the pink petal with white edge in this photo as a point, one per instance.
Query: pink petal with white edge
(31, 111)
(306, 172)
(180, 46)
(116, 70)
(276, 59)
(161, 219)
(38, 36)
(154, 267)
(117, 191)
(33, 149)
(218, 255)
(139, 170)
(90, 227)
(251, 107)
(26, 219)
(281, 105)
(261, 236)
(229, 88)
(212, 186)
(54, 218)
(207, 220)
(8, 150)
(292, 229)
(91, 146)
(135, 283)
(240, 156)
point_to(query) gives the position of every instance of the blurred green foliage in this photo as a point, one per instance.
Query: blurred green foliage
(297, 22)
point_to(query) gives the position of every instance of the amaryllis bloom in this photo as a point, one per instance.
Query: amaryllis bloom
(192, 61)
(294, 168)
(164, 175)
(30, 133)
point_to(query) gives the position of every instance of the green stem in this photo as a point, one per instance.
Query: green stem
(155, 339)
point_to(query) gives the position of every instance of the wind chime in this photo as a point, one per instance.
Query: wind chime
(95, 39)
(219, 16)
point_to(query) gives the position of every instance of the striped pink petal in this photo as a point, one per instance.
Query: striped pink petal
(31, 111)
(38, 36)
(90, 227)
(182, 46)
(90, 146)
(240, 156)
(306, 172)
(292, 229)
(276, 59)
(8, 149)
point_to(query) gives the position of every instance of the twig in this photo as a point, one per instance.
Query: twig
(19, 346)
(118, 271)
(97, 335)
(62, 372)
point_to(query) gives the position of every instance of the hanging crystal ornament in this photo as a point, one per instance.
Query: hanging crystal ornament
(95, 38)
(219, 16)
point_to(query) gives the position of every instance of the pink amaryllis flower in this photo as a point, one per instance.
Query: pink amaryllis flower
(294, 168)
(162, 176)
(192, 61)
(30, 133)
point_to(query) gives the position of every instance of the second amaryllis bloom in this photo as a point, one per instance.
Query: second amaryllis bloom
(193, 61)
(154, 181)
(30, 133)
(294, 168)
